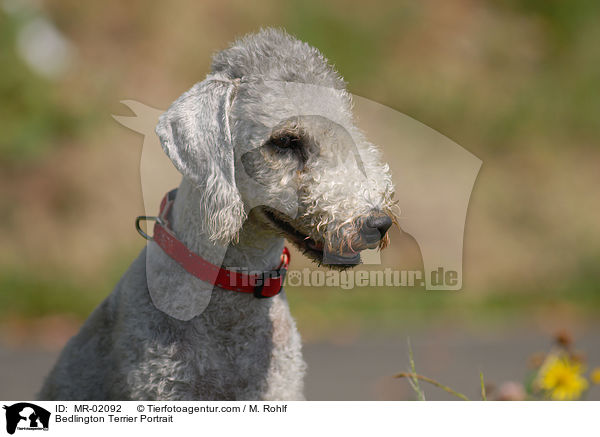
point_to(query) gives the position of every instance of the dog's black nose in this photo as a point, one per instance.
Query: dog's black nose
(374, 227)
(379, 221)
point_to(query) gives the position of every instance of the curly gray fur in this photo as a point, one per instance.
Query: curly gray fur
(227, 345)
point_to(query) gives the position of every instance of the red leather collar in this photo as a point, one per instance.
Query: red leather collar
(267, 284)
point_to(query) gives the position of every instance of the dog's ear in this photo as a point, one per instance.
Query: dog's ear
(194, 132)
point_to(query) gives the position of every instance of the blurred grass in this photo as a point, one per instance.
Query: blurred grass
(321, 310)
(562, 20)
(355, 41)
(24, 294)
(32, 117)
(36, 296)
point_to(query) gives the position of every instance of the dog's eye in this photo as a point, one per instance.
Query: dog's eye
(289, 145)
(285, 141)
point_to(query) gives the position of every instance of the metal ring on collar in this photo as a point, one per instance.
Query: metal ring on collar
(140, 230)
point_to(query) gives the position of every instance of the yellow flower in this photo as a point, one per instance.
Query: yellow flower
(595, 375)
(562, 378)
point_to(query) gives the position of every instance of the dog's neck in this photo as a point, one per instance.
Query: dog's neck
(258, 248)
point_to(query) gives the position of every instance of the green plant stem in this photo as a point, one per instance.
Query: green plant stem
(433, 382)
(483, 394)
(414, 382)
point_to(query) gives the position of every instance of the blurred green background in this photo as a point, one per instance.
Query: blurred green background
(517, 83)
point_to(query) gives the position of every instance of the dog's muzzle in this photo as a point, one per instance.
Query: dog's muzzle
(368, 233)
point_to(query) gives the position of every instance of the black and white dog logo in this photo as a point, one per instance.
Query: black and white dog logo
(26, 416)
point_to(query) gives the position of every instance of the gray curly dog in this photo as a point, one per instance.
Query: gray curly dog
(268, 150)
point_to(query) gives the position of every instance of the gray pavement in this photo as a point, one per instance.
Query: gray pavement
(361, 368)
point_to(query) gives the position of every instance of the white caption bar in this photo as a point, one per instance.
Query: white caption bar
(298, 418)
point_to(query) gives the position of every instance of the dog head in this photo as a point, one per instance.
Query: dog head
(270, 132)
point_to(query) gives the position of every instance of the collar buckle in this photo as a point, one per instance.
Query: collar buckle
(269, 284)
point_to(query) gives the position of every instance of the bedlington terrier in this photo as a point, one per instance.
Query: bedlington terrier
(268, 150)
